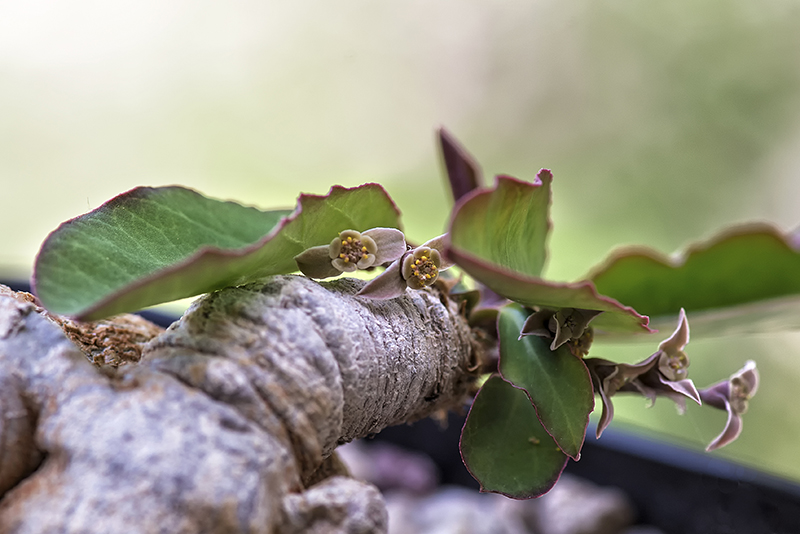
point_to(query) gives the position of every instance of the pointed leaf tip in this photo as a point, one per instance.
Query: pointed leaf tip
(463, 172)
(544, 177)
(387, 285)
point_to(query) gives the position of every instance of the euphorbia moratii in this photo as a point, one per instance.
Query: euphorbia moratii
(535, 408)
(351, 251)
(416, 269)
(665, 373)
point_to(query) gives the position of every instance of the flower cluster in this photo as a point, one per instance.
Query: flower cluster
(417, 269)
(351, 251)
(661, 374)
(665, 373)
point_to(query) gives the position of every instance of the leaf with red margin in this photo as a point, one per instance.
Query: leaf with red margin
(507, 225)
(747, 279)
(505, 447)
(498, 236)
(154, 245)
(556, 381)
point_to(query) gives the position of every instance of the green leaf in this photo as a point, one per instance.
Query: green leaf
(499, 236)
(742, 280)
(154, 245)
(506, 225)
(505, 447)
(557, 382)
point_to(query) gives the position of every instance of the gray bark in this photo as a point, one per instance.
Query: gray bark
(230, 420)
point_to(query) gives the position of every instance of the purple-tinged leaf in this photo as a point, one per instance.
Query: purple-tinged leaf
(505, 447)
(746, 279)
(683, 388)
(556, 381)
(463, 172)
(154, 245)
(387, 285)
(732, 395)
(729, 434)
(391, 243)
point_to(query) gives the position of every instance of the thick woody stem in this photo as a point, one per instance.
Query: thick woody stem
(231, 411)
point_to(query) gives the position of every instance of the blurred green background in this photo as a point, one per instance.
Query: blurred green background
(662, 121)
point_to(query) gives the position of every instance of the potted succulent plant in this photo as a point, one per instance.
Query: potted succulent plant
(230, 420)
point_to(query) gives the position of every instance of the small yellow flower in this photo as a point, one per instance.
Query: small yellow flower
(417, 269)
(421, 268)
(352, 250)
